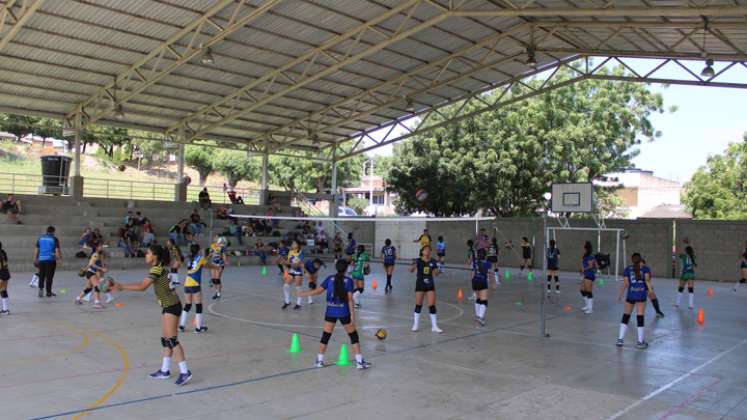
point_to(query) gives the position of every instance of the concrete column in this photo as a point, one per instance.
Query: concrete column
(265, 178)
(76, 181)
(333, 205)
(180, 187)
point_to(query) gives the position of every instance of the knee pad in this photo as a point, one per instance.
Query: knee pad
(87, 291)
(625, 319)
(478, 301)
(187, 307)
(557, 278)
(198, 308)
(418, 308)
(312, 285)
(360, 290)
(354, 337)
(164, 343)
(680, 289)
(485, 302)
(216, 281)
(743, 281)
(589, 295)
(583, 293)
(690, 289)
(325, 337)
(432, 309)
(639, 319)
(4, 294)
(96, 289)
(172, 342)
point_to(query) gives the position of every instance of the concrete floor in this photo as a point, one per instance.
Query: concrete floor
(60, 360)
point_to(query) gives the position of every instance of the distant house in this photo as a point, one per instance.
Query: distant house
(645, 195)
(382, 199)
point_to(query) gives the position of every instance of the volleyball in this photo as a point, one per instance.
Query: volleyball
(421, 194)
(381, 334)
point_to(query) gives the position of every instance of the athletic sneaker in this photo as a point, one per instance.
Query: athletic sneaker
(200, 330)
(588, 311)
(296, 307)
(557, 292)
(660, 315)
(642, 345)
(159, 374)
(619, 342)
(436, 330)
(357, 305)
(50, 294)
(414, 327)
(5, 312)
(109, 299)
(181, 328)
(481, 321)
(310, 301)
(183, 378)
(363, 364)
(98, 306)
(285, 305)
(41, 293)
(319, 364)
(215, 296)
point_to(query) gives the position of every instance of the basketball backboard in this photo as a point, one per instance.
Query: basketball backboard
(572, 198)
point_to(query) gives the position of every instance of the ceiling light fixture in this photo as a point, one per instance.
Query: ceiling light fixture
(207, 58)
(707, 71)
(531, 58)
(118, 111)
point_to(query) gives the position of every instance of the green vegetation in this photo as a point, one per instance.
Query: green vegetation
(506, 159)
(718, 190)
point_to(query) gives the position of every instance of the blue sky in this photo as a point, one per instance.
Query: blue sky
(706, 121)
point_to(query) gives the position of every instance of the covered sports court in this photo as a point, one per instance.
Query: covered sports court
(328, 80)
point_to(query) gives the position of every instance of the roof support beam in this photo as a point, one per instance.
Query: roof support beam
(152, 68)
(230, 107)
(670, 11)
(433, 118)
(19, 18)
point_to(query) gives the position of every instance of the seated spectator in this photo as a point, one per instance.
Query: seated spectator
(195, 222)
(235, 231)
(85, 239)
(128, 219)
(247, 230)
(321, 241)
(204, 199)
(139, 219)
(12, 208)
(176, 232)
(188, 234)
(232, 196)
(259, 248)
(221, 213)
(148, 237)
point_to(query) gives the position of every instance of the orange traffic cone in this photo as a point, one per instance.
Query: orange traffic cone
(709, 292)
(460, 295)
(701, 316)
(374, 285)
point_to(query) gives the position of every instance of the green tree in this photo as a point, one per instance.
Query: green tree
(382, 165)
(236, 166)
(22, 125)
(305, 175)
(358, 204)
(505, 160)
(200, 158)
(718, 190)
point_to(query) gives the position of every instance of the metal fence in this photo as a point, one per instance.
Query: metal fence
(129, 190)
(20, 183)
(219, 196)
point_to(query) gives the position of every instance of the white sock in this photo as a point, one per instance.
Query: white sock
(477, 309)
(287, 293)
(415, 319)
(356, 296)
(97, 302)
(679, 298)
(483, 308)
(299, 300)
(640, 334)
(320, 357)
(87, 297)
(5, 304)
(109, 296)
(591, 304)
(623, 329)
(198, 321)
(310, 300)
(497, 277)
(183, 367)
(586, 303)
(359, 358)
(165, 364)
(434, 320)
(691, 298)
(183, 318)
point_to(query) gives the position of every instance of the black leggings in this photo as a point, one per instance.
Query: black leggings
(46, 274)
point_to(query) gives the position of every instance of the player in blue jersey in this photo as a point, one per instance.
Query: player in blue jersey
(312, 268)
(588, 273)
(687, 275)
(441, 252)
(637, 281)
(553, 257)
(350, 248)
(339, 289)
(193, 287)
(389, 257)
(426, 268)
(295, 275)
(480, 270)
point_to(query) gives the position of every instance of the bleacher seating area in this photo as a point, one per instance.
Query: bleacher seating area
(70, 218)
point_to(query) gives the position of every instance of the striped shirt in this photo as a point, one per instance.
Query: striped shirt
(162, 286)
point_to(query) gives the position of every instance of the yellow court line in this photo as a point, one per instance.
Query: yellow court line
(120, 379)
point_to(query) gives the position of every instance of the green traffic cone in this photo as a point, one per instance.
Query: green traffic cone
(519, 303)
(295, 344)
(530, 276)
(507, 275)
(342, 359)
(601, 282)
(263, 271)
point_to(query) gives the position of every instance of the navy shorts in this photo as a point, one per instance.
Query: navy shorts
(175, 309)
(192, 289)
(421, 286)
(333, 319)
(479, 285)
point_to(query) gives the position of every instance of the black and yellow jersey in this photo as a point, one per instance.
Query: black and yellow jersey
(162, 286)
